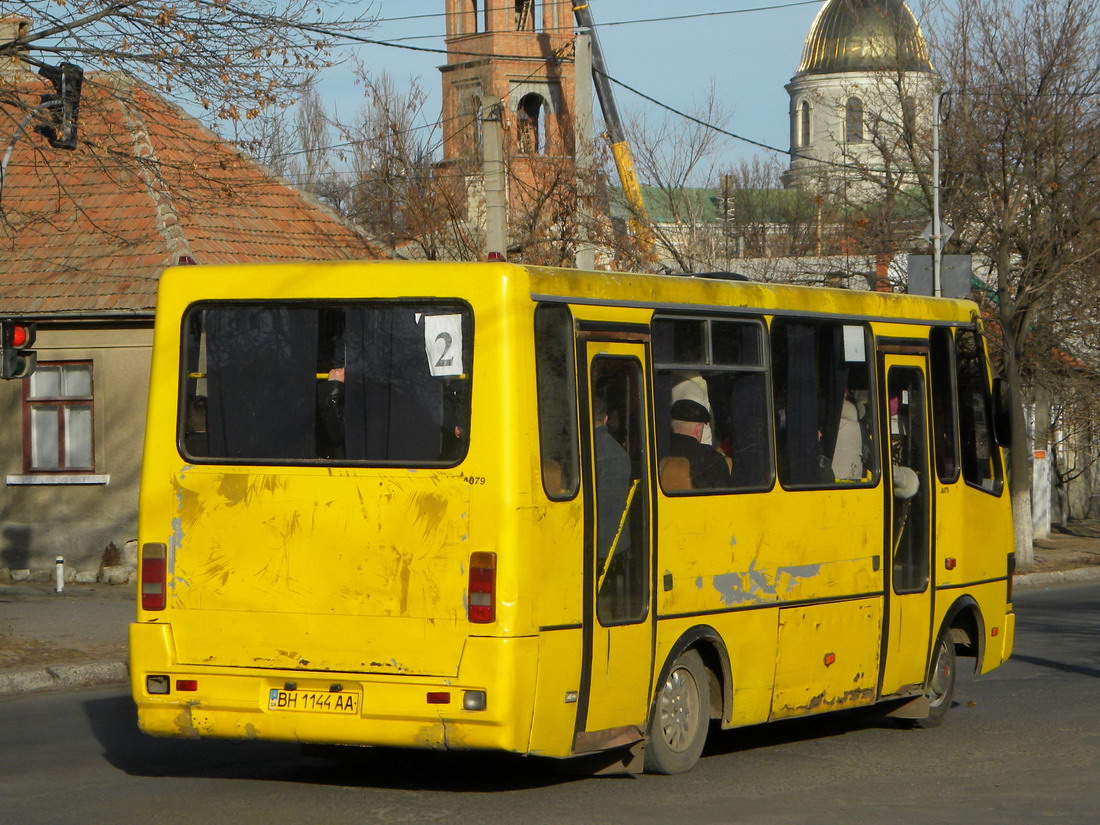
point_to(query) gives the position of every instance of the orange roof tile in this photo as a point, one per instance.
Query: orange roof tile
(91, 229)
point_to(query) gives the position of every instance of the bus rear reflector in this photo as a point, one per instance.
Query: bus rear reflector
(154, 575)
(482, 594)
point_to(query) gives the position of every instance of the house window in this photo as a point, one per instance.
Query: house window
(57, 418)
(804, 124)
(853, 121)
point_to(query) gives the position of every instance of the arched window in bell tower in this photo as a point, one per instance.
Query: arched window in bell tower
(804, 136)
(853, 121)
(527, 15)
(530, 134)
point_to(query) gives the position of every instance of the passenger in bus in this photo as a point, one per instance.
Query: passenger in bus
(613, 480)
(848, 453)
(693, 386)
(330, 415)
(906, 482)
(708, 466)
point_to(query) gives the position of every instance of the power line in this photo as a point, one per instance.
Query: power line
(663, 19)
(400, 42)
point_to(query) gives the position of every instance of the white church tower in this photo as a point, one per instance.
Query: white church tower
(861, 97)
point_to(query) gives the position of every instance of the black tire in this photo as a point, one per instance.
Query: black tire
(940, 687)
(680, 718)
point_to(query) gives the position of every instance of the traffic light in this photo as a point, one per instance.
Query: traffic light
(15, 337)
(67, 80)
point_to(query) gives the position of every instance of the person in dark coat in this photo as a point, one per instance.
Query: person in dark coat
(613, 480)
(708, 466)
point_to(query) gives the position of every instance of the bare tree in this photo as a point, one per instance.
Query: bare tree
(242, 61)
(234, 58)
(677, 160)
(395, 189)
(763, 220)
(1021, 157)
(312, 130)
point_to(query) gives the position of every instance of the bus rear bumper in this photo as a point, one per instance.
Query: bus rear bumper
(487, 707)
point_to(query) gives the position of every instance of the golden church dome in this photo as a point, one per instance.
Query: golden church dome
(864, 36)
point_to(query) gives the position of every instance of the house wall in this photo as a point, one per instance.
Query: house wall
(43, 516)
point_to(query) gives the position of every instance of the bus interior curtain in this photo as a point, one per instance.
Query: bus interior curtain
(749, 442)
(834, 381)
(392, 403)
(806, 460)
(261, 367)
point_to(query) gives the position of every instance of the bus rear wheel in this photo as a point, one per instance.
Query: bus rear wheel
(941, 681)
(678, 725)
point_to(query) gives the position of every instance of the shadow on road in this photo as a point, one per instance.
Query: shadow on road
(114, 723)
(784, 732)
(1060, 666)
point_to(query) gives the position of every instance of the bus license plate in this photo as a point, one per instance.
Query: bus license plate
(313, 701)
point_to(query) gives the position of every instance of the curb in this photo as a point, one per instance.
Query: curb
(1081, 574)
(64, 676)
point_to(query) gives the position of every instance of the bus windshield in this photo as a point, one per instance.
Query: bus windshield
(379, 382)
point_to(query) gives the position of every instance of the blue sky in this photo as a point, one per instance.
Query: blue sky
(748, 56)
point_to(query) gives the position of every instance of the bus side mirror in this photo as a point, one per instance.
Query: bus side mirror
(1002, 412)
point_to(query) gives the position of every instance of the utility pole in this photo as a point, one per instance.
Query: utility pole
(582, 100)
(937, 226)
(492, 169)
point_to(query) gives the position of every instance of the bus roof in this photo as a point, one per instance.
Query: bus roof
(681, 293)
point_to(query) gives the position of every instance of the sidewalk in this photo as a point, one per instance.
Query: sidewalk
(78, 638)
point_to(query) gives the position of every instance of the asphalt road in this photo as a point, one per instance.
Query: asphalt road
(1021, 745)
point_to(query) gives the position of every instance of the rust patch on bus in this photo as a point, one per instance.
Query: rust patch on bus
(821, 702)
(185, 725)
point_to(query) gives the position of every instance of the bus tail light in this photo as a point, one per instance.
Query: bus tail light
(154, 576)
(482, 594)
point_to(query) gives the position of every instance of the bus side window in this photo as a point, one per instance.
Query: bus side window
(823, 394)
(556, 381)
(981, 463)
(719, 364)
(945, 432)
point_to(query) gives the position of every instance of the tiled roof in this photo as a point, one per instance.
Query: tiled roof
(89, 230)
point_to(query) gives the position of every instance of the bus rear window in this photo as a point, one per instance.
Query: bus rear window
(385, 383)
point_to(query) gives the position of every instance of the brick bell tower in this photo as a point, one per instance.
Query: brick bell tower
(510, 51)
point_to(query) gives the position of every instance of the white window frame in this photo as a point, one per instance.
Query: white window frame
(74, 448)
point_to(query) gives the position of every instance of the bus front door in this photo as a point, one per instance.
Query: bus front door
(908, 533)
(618, 631)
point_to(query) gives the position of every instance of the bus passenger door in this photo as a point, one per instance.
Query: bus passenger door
(618, 632)
(908, 532)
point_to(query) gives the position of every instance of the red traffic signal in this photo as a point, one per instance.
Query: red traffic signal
(16, 361)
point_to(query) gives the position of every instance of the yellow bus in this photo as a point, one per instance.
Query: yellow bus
(559, 513)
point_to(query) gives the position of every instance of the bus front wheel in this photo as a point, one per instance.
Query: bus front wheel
(681, 715)
(941, 681)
